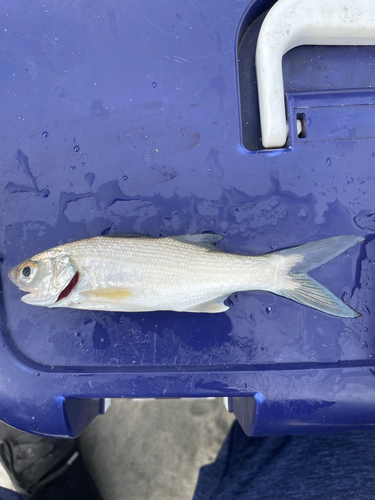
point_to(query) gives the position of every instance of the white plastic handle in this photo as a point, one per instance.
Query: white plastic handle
(302, 22)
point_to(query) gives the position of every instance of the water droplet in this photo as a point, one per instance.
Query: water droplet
(365, 329)
(72, 167)
(154, 84)
(365, 344)
(328, 161)
(178, 16)
(318, 67)
(274, 245)
(308, 121)
(45, 134)
(373, 154)
(101, 340)
(371, 355)
(349, 181)
(344, 295)
(77, 334)
(83, 164)
(269, 310)
(298, 177)
(37, 374)
(71, 184)
(76, 149)
(125, 177)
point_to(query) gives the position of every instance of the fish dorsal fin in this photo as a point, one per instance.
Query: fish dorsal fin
(212, 306)
(126, 235)
(206, 240)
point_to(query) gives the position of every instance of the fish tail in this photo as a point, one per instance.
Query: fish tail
(297, 285)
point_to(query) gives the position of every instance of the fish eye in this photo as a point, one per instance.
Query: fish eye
(26, 271)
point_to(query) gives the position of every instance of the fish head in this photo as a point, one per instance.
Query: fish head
(46, 277)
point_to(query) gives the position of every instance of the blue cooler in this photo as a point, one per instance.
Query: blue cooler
(143, 117)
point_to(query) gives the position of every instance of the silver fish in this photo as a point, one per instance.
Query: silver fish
(179, 273)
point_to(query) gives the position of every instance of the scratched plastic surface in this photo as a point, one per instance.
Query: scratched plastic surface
(123, 117)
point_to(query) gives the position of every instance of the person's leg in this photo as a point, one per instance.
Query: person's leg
(6, 494)
(323, 466)
(45, 468)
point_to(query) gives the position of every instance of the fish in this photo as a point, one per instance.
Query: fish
(187, 273)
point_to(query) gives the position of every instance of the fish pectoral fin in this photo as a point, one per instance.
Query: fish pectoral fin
(111, 295)
(212, 306)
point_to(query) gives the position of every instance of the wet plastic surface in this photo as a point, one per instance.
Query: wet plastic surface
(126, 117)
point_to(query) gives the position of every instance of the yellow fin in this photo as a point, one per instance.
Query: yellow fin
(107, 294)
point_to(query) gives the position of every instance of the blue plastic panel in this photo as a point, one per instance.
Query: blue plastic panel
(126, 117)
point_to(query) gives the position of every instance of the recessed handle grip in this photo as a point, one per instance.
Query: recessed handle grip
(291, 23)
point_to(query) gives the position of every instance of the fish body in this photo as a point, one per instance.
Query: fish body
(181, 273)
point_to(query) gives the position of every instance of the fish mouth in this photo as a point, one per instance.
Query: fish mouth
(12, 274)
(69, 287)
(35, 300)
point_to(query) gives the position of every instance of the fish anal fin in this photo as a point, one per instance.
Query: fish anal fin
(212, 306)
